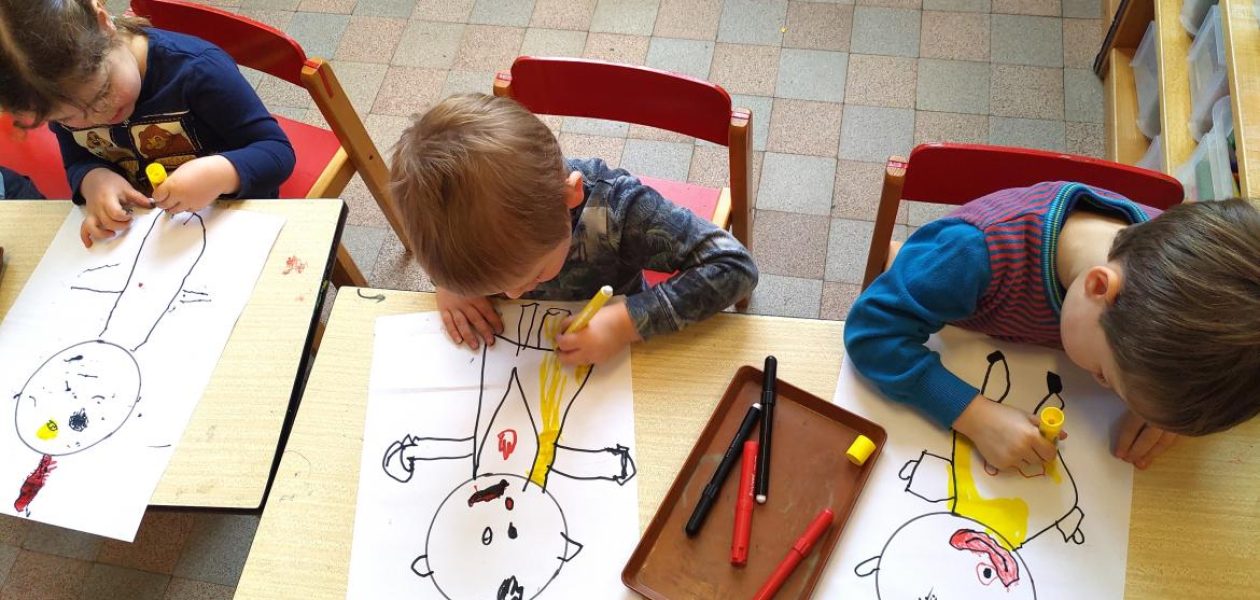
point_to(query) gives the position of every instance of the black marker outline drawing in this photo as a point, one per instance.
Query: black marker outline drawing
(109, 359)
(1004, 560)
(613, 463)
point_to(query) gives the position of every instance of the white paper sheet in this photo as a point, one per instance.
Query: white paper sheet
(105, 354)
(1056, 533)
(495, 473)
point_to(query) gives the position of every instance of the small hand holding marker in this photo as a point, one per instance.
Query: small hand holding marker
(195, 185)
(597, 333)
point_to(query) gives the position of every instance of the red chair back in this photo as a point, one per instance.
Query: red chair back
(574, 87)
(252, 44)
(959, 173)
(34, 153)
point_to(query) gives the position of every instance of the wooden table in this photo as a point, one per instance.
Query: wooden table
(1196, 515)
(227, 453)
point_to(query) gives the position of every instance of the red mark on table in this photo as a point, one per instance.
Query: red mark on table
(34, 483)
(294, 264)
(507, 442)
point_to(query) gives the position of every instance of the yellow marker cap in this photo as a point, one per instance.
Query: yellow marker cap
(860, 450)
(156, 173)
(1051, 423)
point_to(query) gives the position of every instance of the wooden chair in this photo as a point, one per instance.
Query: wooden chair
(959, 173)
(574, 87)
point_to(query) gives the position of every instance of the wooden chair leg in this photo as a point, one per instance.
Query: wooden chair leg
(345, 272)
(885, 218)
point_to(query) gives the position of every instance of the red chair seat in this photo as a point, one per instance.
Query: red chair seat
(314, 147)
(698, 199)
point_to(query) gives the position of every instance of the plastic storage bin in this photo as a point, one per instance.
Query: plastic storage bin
(1146, 78)
(1223, 117)
(1208, 80)
(1154, 157)
(1207, 175)
(1192, 13)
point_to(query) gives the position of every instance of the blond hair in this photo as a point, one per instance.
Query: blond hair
(1185, 328)
(47, 47)
(480, 185)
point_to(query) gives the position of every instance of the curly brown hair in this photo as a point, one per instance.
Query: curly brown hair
(1185, 327)
(48, 46)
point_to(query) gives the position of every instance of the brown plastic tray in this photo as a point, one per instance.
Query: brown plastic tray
(808, 472)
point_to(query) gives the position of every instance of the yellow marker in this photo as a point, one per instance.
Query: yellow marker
(860, 450)
(156, 173)
(1051, 423)
(588, 311)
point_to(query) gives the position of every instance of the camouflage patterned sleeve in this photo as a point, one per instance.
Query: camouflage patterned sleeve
(713, 269)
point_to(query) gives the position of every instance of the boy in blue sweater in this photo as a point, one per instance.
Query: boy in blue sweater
(122, 95)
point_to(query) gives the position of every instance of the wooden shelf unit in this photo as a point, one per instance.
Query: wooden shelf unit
(1125, 143)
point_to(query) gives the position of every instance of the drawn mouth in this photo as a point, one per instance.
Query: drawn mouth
(982, 543)
(511, 589)
(491, 493)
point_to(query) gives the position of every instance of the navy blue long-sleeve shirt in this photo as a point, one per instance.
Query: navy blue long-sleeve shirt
(193, 102)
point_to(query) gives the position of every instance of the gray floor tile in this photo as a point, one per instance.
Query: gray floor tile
(450, 11)
(1083, 96)
(922, 213)
(396, 269)
(689, 57)
(577, 145)
(1044, 8)
(107, 582)
(848, 246)
(385, 131)
(1028, 133)
(953, 86)
(429, 44)
(361, 82)
(1026, 92)
(791, 244)
(1086, 139)
(318, 33)
(61, 542)
(818, 26)
(873, 133)
(1081, 40)
(385, 8)
(217, 548)
(805, 127)
(858, 187)
(1082, 9)
(955, 36)
(468, 82)
(364, 209)
(187, 589)
(980, 6)
(553, 42)
(812, 75)
(8, 554)
(270, 4)
(837, 299)
(253, 77)
(794, 183)
(662, 160)
(364, 243)
(745, 68)
(786, 297)
(762, 107)
(595, 127)
(950, 127)
(636, 17)
(753, 22)
(1027, 40)
(889, 31)
(881, 80)
(513, 13)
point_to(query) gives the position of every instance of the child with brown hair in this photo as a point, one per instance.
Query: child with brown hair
(122, 95)
(1162, 309)
(493, 207)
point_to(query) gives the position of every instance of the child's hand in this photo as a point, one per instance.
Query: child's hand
(467, 318)
(197, 183)
(1139, 442)
(1005, 436)
(106, 193)
(609, 331)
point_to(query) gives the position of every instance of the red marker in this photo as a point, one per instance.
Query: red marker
(744, 505)
(796, 554)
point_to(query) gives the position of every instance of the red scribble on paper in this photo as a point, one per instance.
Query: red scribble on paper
(34, 483)
(507, 442)
(294, 263)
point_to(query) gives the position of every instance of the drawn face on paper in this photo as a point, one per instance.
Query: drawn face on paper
(497, 536)
(968, 562)
(77, 398)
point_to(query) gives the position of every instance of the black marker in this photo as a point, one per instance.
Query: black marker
(710, 493)
(768, 393)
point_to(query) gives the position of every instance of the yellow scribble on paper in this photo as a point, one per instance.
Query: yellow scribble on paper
(1007, 517)
(553, 383)
(47, 431)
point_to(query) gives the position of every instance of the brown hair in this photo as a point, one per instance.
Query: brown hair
(1185, 327)
(480, 185)
(48, 46)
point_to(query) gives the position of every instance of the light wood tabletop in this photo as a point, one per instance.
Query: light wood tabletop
(1196, 514)
(226, 455)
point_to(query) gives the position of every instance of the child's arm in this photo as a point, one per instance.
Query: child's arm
(714, 269)
(78, 162)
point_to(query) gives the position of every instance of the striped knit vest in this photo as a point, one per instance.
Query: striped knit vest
(1021, 229)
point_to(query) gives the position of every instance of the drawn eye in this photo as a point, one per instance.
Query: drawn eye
(487, 536)
(985, 573)
(511, 531)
